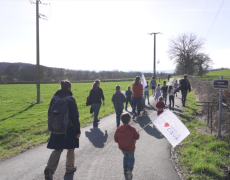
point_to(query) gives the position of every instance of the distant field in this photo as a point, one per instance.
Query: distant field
(23, 123)
(216, 75)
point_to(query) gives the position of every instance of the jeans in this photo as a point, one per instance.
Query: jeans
(96, 109)
(165, 97)
(146, 93)
(184, 95)
(137, 101)
(128, 161)
(128, 101)
(54, 160)
(118, 117)
(171, 99)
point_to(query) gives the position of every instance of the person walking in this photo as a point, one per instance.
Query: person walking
(171, 92)
(169, 77)
(164, 89)
(118, 99)
(70, 138)
(126, 137)
(137, 88)
(157, 92)
(160, 106)
(146, 91)
(128, 94)
(153, 85)
(175, 86)
(95, 96)
(184, 86)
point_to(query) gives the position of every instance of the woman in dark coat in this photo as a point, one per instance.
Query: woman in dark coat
(68, 141)
(95, 96)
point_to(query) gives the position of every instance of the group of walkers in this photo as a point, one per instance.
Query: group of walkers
(63, 120)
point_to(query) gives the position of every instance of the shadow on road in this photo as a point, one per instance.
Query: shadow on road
(149, 129)
(69, 176)
(97, 137)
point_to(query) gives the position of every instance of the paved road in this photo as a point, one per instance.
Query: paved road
(99, 158)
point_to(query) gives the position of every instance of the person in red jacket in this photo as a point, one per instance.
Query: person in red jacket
(126, 137)
(137, 95)
(160, 106)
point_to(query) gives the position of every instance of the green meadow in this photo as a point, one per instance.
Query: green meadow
(215, 75)
(23, 123)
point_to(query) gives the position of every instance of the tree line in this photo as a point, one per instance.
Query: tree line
(14, 72)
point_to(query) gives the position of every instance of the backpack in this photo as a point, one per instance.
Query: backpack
(58, 116)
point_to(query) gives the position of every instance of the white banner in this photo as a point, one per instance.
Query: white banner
(143, 81)
(171, 127)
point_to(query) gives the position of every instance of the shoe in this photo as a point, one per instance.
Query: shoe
(129, 175)
(148, 103)
(98, 120)
(48, 174)
(133, 115)
(126, 109)
(138, 116)
(70, 170)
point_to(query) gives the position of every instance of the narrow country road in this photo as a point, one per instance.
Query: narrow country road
(99, 158)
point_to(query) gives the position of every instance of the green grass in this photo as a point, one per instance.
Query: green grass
(216, 75)
(23, 123)
(201, 156)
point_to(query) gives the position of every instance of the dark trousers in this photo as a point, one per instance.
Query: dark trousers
(137, 102)
(118, 117)
(128, 101)
(171, 102)
(184, 95)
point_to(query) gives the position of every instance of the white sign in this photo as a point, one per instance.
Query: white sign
(123, 92)
(171, 127)
(143, 81)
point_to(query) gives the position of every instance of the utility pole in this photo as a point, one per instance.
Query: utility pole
(37, 52)
(154, 53)
(37, 45)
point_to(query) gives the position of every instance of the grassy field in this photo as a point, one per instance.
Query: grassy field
(216, 75)
(201, 156)
(23, 123)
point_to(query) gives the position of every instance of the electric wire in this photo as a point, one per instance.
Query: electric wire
(203, 15)
(213, 22)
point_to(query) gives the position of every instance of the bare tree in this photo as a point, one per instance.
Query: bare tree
(183, 48)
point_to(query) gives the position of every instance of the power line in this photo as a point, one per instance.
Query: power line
(203, 15)
(215, 18)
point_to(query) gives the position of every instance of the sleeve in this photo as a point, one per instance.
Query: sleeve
(135, 134)
(126, 93)
(115, 137)
(102, 95)
(157, 105)
(113, 98)
(74, 115)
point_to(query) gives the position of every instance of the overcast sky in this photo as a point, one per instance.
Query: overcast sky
(109, 35)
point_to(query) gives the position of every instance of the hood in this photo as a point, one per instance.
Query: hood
(123, 129)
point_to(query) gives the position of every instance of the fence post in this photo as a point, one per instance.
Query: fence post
(220, 109)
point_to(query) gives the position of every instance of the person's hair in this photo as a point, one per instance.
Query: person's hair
(125, 117)
(95, 84)
(164, 82)
(185, 76)
(153, 77)
(176, 81)
(118, 87)
(158, 85)
(137, 79)
(160, 99)
(169, 88)
(65, 85)
(128, 87)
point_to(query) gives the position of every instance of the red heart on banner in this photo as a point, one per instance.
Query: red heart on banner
(166, 124)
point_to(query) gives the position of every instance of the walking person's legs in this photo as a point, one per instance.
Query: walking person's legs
(139, 106)
(128, 162)
(134, 105)
(126, 104)
(148, 96)
(118, 117)
(96, 109)
(52, 164)
(165, 97)
(173, 102)
(170, 99)
(184, 94)
(70, 159)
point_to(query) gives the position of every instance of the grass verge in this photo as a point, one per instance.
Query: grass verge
(201, 156)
